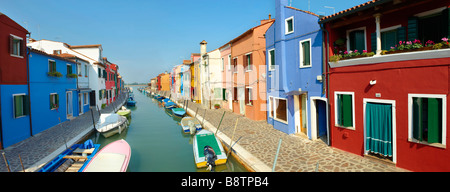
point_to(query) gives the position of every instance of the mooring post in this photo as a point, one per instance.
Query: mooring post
(276, 156)
(220, 122)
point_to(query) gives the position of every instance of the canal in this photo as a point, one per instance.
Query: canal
(157, 141)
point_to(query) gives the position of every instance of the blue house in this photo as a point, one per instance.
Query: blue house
(53, 90)
(295, 86)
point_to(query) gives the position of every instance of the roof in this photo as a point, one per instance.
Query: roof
(249, 31)
(69, 56)
(308, 12)
(84, 46)
(354, 9)
(54, 56)
(11, 21)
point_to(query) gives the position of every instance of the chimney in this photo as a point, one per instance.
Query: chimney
(270, 16)
(203, 47)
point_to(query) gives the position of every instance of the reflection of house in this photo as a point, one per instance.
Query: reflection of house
(296, 102)
(248, 64)
(53, 90)
(392, 106)
(14, 97)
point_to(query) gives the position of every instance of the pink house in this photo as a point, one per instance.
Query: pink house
(227, 76)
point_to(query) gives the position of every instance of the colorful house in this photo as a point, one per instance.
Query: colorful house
(248, 64)
(227, 74)
(186, 80)
(15, 122)
(296, 100)
(210, 76)
(392, 105)
(53, 90)
(195, 80)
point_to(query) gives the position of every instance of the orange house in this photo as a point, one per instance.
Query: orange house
(248, 60)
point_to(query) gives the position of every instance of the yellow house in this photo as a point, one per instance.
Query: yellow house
(195, 75)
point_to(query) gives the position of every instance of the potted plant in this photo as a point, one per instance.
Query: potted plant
(72, 76)
(216, 106)
(54, 74)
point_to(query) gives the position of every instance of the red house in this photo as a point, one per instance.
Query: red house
(109, 81)
(391, 104)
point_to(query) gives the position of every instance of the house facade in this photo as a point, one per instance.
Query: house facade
(211, 74)
(296, 101)
(227, 77)
(248, 64)
(15, 122)
(392, 105)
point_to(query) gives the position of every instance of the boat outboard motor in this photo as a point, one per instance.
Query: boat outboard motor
(210, 157)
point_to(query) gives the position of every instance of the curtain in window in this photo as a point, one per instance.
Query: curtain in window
(379, 129)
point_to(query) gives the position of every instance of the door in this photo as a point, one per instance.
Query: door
(321, 118)
(303, 114)
(80, 103)
(92, 98)
(241, 98)
(379, 132)
(69, 104)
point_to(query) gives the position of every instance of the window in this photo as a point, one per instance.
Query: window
(85, 99)
(16, 47)
(224, 94)
(20, 105)
(388, 39)
(344, 109)
(289, 25)
(248, 96)
(223, 64)
(356, 39)
(69, 69)
(427, 123)
(305, 53)
(271, 107)
(54, 101)
(431, 26)
(79, 69)
(271, 60)
(99, 72)
(248, 62)
(56, 52)
(235, 94)
(51, 66)
(280, 106)
(235, 65)
(86, 71)
(229, 62)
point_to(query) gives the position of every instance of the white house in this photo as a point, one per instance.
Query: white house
(210, 76)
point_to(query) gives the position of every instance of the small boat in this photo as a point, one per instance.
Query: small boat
(170, 104)
(114, 157)
(208, 150)
(53, 165)
(110, 123)
(190, 125)
(180, 112)
(123, 111)
(131, 101)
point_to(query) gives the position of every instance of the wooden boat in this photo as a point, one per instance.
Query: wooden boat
(207, 138)
(55, 164)
(190, 125)
(180, 112)
(114, 157)
(110, 123)
(123, 111)
(169, 105)
(131, 102)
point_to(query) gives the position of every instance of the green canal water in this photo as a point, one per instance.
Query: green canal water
(157, 141)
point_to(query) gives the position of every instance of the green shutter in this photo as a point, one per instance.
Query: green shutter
(54, 66)
(347, 110)
(99, 72)
(306, 53)
(373, 42)
(18, 106)
(272, 58)
(57, 100)
(417, 118)
(50, 101)
(434, 120)
(413, 28)
(388, 39)
(401, 34)
(26, 105)
(340, 110)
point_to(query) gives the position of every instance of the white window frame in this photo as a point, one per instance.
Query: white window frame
(223, 64)
(19, 49)
(286, 32)
(85, 98)
(271, 107)
(444, 119)
(269, 66)
(248, 64)
(348, 38)
(301, 53)
(229, 62)
(275, 111)
(336, 109)
(14, 107)
(48, 66)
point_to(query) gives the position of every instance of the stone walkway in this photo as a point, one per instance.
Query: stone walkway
(296, 154)
(44, 146)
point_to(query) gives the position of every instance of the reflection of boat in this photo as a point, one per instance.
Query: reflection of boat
(190, 125)
(203, 139)
(110, 124)
(123, 111)
(114, 157)
(180, 112)
(87, 149)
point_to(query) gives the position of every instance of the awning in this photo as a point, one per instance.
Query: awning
(295, 92)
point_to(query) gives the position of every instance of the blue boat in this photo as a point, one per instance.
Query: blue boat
(180, 112)
(169, 104)
(131, 101)
(59, 160)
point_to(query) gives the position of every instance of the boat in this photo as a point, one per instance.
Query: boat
(170, 104)
(114, 157)
(88, 147)
(110, 124)
(131, 101)
(180, 112)
(190, 125)
(203, 141)
(123, 111)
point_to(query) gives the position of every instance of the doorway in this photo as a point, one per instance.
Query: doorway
(301, 114)
(69, 104)
(80, 103)
(241, 97)
(319, 119)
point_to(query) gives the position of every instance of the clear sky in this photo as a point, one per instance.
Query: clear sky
(148, 37)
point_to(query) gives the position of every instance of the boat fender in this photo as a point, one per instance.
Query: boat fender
(210, 157)
(88, 144)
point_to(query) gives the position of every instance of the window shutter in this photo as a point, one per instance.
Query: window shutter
(447, 18)
(306, 53)
(413, 28)
(26, 105)
(373, 42)
(434, 120)
(251, 61)
(54, 66)
(401, 34)
(246, 96)
(417, 118)
(57, 100)
(17, 106)
(50, 101)
(244, 62)
(347, 110)
(23, 48)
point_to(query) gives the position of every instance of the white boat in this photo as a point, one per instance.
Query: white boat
(110, 124)
(190, 125)
(114, 157)
(205, 138)
(123, 111)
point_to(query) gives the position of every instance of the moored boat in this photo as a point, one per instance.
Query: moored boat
(131, 101)
(206, 142)
(180, 112)
(190, 125)
(123, 111)
(110, 124)
(114, 157)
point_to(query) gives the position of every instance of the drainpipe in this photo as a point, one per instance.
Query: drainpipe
(29, 92)
(327, 78)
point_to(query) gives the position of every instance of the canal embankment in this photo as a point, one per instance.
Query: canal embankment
(258, 144)
(41, 148)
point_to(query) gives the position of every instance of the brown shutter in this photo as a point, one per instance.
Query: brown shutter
(246, 96)
(244, 59)
(251, 61)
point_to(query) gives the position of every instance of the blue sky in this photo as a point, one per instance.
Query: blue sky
(148, 37)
